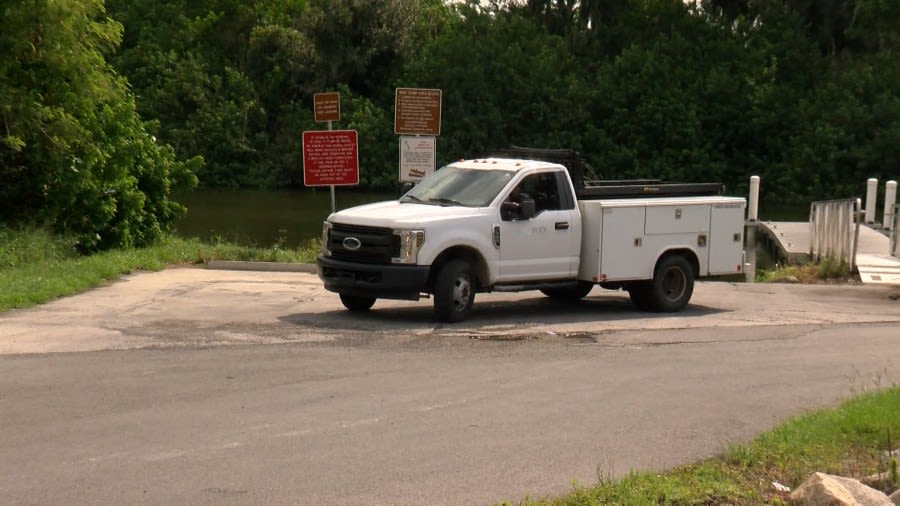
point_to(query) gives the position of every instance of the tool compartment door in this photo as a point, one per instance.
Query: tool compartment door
(677, 219)
(623, 254)
(726, 245)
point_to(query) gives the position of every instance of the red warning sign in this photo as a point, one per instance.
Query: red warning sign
(330, 157)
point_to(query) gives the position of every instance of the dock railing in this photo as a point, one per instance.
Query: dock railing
(895, 231)
(834, 230)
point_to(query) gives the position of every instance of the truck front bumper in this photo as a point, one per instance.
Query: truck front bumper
(369, 280)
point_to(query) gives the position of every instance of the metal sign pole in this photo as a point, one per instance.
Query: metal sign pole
(332, 186)
(326, 109)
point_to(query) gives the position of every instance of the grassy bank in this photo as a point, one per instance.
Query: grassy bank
(36, 266)
(850, 440)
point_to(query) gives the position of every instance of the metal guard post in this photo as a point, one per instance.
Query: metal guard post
(895, 231)
(834, 230)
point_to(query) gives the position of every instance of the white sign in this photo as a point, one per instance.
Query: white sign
(417, 157)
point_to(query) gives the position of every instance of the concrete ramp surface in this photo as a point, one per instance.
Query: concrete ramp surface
(873, 259)
(878, 269)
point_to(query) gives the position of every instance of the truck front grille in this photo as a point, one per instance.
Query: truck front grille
(376, 245)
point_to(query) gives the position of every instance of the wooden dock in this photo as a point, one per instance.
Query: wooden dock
(789, 240)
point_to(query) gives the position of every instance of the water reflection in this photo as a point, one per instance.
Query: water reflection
(290, 218)
(264, 217)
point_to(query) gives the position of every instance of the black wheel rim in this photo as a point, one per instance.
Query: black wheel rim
(674, 283)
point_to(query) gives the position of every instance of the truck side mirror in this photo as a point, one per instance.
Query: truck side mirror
(509, 210)
(524, 210)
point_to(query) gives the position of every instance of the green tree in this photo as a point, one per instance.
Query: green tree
(797, 91)
(183, 59)
(234, 80)
(835, 25)
(848, 131)
(74, 153)
(504, 78)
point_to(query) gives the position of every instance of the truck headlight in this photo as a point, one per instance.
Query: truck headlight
(411, 242)
(326, 238)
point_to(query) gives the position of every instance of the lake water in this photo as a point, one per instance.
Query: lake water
(290, 218)
(262, 217)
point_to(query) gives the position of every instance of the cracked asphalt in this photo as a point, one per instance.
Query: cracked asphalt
(197, 386)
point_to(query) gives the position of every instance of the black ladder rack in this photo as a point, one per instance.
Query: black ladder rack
(594, 189)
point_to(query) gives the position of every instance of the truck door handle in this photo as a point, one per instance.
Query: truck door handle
(562, 225)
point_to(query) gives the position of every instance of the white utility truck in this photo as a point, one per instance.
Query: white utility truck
(521, 221)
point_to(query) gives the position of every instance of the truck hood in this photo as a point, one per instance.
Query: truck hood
(402, 215)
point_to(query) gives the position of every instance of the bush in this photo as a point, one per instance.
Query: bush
(74, 154)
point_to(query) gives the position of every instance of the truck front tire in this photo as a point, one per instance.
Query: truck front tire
(454, 291)
(672, 285)
(356, 302)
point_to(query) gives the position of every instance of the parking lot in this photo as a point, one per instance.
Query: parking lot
(204, 307)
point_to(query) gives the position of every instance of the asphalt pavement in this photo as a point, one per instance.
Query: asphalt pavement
(202, 386)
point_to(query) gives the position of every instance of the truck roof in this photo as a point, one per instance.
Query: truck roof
(510, 164)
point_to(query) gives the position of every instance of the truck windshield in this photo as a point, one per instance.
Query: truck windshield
(459, 187)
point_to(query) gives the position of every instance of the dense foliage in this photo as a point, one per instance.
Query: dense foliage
(803, 93)
(73, 152)
(233, 80)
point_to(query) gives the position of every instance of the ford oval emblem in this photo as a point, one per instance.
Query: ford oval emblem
(352, 243)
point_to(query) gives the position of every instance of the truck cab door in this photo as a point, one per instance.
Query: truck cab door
(539, 230)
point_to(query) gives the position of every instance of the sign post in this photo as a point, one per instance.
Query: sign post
(417, 120)
(326, 108)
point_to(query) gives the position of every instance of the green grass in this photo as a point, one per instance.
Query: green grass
(36, 266)
(849, 440)
(828, 270)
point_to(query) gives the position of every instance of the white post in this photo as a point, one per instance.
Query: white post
(871, 199)
(753, 205)
(890, 196)
(752, 215)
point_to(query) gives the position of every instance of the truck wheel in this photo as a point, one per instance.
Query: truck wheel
(571, 293)
(640, 295)
(454, 291)
(672, 285)
(356, 302)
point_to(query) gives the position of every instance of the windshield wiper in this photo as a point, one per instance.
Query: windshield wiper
(411, 197)
(446, 201)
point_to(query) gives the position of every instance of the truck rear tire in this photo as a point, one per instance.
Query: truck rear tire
(672, 285)
(572, 293)
(356, 302)
(454, 291)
